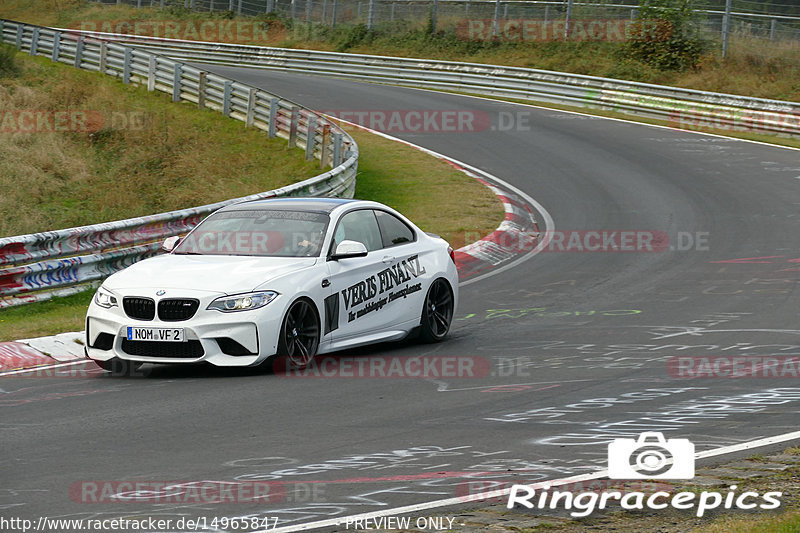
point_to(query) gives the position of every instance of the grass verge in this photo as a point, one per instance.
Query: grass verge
(98, 150)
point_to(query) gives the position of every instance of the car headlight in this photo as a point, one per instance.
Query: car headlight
(105, 299)
(242, 302)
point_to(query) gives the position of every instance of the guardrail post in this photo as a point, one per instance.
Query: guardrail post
(56, 44)
(337, 149)
(138, 4)
(126, 67)
(151, 74)
(201, 90)
(226, 98)
(161, 4)
(34, 41)
(505, 11)
(358, 12)
(176, 82)
(191, 4)
(211, 7)
(333, 15)
(466, 8)
(496, 23)
(546, 14)
(293, 11)
(270, 6)
(311, 137)
(239, 8)
(391, 17)
(78, 52)
(324, 10)
(273, 117)
(326, 144)
(103, 57)
(2, 23)
(371, 14)
(185, 4)
(293, 127)
(435, 14)
(230, 5)
(251, 107)
(772, 25)
(726, 28)
(309, 7)
(568, 20)
(20, 29)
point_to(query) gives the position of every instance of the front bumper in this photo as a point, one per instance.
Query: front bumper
(242, 338)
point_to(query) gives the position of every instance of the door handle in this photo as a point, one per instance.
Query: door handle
(387, 259)
(326, 283)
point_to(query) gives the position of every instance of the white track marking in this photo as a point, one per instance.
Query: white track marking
(43, 367)
(504, 492)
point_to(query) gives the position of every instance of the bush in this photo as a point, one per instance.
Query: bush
(663, 36)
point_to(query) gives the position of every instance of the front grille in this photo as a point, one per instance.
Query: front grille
(173, 310)
(139, 308)
(181, 350)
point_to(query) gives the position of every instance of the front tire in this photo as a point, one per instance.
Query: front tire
(437, 312)
(299, 336)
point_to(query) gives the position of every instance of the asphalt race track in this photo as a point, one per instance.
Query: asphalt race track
(558, 355)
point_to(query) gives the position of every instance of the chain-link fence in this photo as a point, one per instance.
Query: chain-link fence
(504, 19)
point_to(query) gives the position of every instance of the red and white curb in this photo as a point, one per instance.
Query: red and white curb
(518, 233)
(41, 351)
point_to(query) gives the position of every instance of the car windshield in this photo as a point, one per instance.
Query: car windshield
(264, 233)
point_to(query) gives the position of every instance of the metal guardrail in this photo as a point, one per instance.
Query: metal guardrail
(683, 107)
(37, 266)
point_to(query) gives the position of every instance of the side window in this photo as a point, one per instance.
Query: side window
(393, 230)
(359, 226)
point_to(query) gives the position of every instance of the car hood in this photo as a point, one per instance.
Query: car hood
(214, 273)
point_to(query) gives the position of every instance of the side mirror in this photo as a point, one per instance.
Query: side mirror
(348, 249)
(170, 243)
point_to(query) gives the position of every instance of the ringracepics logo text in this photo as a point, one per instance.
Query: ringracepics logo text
(650, 456)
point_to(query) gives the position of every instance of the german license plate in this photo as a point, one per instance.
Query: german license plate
(156, 334)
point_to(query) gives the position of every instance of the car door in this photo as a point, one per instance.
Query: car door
(354, 307)
(403, 280)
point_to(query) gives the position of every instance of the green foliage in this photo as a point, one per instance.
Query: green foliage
(663, 36)
(8, 61)
(354, 36)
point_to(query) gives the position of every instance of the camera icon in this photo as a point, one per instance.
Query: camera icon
(651, 457)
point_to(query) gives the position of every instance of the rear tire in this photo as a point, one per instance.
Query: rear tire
(437, 312)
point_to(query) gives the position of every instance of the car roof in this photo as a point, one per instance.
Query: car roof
(321, 205)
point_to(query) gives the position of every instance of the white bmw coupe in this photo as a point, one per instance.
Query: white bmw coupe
(290, 277)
